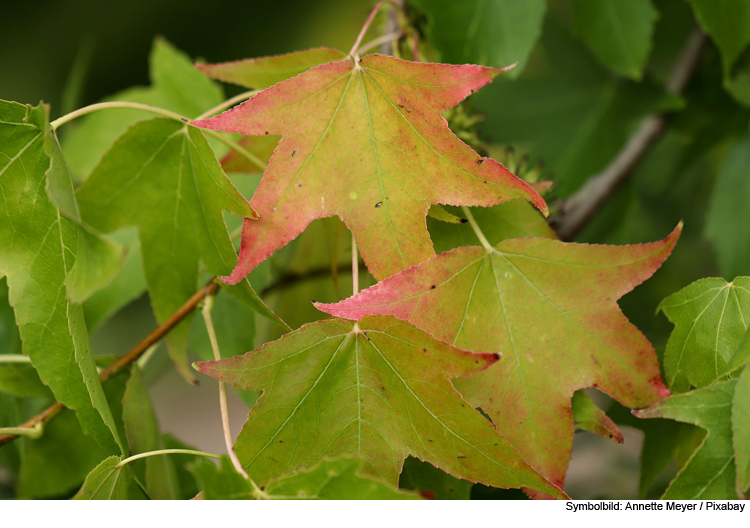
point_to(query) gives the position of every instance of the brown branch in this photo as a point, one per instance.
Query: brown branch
(583, 205)
(117, 366)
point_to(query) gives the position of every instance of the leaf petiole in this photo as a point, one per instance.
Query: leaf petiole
(208, 305)
(166, 452)
(14, 358)
(477, 229)
(33, 433)
(54, 125)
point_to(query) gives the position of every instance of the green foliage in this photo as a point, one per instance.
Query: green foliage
(134, 204)
(709, 318)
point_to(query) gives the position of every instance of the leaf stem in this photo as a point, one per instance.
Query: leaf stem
(355, 267)
(33, 432)
(14, 358)
(476, 228)
(364, 29)
(110, 105)
(226, 104)
(239, 149)
(380, 40)
(166, 452)
(208, 305)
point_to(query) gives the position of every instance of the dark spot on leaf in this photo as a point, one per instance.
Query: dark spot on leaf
(408, 111)
(472, 91)
(429, 439)
(497, 356)
(281, 441)
(464, 220)
(294, 152)
(266, 132)
(480, 161)
(299, 185)
(485, 181)
(433, 287)
(313, 301)
(450, 490)
(184, 120)
(461, 457)
(382, 388)
(378, 204)
(429, 495)
(400, 106)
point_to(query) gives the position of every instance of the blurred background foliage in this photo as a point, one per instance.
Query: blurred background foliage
(577, 94)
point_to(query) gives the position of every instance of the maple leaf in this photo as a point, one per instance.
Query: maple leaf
(551, 308)
(710, 473)
(48, 258)
(710, 320)
(163, 177)
(380, 389)
(365, 140)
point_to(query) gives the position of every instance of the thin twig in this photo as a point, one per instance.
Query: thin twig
(584, 204)
(122, 362)
(365, 27)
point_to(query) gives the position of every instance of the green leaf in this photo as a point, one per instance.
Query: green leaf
(176, 86)
(589, 417)
(728, 23)
(432, 482)
(491, 32)
(741, 432)
(330, 479)
(379, 389)
(110, 481)
(143, 434)
(728, 217)
(162, 177)
(39, 265)
(710, 472)
(710, 321)
(618, 32)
